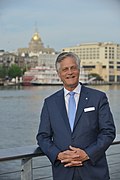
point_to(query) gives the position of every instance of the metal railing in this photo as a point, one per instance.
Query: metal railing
(32, 163)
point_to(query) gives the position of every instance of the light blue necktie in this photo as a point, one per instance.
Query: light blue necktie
(71, 109)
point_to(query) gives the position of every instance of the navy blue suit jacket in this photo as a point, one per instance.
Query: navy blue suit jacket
(93, 132)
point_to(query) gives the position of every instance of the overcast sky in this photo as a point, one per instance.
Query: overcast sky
(60, 23)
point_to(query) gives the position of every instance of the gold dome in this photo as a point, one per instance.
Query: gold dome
(36, 37)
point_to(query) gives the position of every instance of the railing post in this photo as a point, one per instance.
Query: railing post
(26, 169)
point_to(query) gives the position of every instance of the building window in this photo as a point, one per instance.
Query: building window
(88, 67)
(118, 78)
(111, 67)
(118, 67)
(111, 62)
(111, 78)
(104, 67)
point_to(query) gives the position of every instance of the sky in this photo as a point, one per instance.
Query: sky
(60, 23)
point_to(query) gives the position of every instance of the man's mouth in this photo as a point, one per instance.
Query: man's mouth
(70, 77)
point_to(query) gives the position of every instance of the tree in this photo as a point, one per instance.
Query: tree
(3, 72)
(14, 71)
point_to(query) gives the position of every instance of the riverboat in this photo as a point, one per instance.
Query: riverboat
(41, 75)
(44, 75)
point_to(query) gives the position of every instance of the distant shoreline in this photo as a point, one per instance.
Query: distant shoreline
(55, 84)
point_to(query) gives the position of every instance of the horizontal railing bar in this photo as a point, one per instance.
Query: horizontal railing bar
(111, 164)
(117, 140)
(46, 177)
(18, 171)
(40, 167)
(111, 154)
(20, 153)
(116, 172)
(10, 172)
(30, 151)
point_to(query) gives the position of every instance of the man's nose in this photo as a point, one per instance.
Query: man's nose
(70, 70)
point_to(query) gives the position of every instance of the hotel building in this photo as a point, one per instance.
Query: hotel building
(100, 58)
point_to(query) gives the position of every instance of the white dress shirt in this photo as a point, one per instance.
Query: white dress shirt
(77, 91)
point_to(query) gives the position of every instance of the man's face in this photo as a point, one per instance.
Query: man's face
(69, 73)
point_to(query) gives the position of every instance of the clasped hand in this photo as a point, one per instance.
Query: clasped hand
(72, 157)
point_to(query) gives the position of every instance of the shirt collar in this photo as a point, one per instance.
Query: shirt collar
(76, 90)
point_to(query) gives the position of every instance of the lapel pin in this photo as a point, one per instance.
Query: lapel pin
(86, 98)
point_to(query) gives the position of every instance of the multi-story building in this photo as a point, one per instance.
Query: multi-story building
(40, 60)
(7, 59)
(35, 47)
(47, 60)
(100, 58)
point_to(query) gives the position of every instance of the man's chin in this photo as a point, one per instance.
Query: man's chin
(73, 85)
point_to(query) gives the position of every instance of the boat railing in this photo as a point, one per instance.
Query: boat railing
(29, 170)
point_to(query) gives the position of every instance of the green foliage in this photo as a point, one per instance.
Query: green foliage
(3, 72)
(24, 70)
(14, 71)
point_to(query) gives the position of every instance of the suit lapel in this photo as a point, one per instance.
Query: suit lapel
(60, 101)
(81, 104)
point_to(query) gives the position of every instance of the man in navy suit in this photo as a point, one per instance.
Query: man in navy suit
(78, 153)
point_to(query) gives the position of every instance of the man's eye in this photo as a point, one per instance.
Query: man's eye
(65, 69)
(74, 68)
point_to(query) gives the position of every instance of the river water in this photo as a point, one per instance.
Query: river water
(20, 110)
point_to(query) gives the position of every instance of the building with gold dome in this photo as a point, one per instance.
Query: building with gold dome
(35, 47)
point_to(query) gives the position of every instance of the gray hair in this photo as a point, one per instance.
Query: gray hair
(63, 55)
